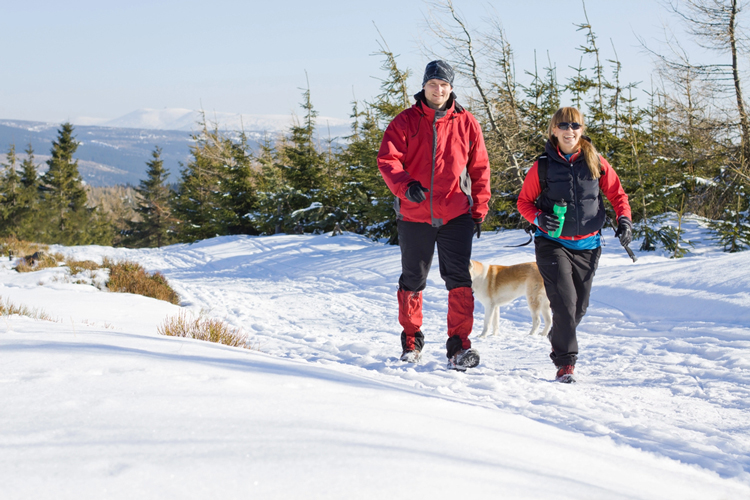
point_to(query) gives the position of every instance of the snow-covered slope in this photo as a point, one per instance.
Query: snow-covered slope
(187, 120)
(98, 405)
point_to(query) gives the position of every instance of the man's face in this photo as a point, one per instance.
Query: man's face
(437, 92)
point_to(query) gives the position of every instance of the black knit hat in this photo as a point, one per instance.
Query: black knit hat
(439, 70)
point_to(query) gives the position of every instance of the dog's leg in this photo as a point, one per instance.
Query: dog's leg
(547, 314)
(485, 327)
(495, 319)
(534, 307)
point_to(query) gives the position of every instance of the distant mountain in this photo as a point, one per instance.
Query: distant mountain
(189, 120)
(107, 156)
(116, 152)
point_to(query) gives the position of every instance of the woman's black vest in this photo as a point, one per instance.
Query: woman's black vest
(574, 184)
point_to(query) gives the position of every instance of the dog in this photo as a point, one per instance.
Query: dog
(495, 286)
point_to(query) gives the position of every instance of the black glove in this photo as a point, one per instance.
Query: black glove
(415, 192)
(477, 227)
(624, 231)
(547, 222)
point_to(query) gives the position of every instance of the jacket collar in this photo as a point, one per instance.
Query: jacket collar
(554, 150)
(452, 107)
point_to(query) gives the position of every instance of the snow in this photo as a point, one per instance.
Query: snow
(188, 119)
(97, 405)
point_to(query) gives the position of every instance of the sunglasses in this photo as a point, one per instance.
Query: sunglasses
(565, 125)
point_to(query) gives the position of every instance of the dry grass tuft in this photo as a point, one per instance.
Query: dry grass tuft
(130, 277)
(201, 328)
(7, 309)
(76, 266)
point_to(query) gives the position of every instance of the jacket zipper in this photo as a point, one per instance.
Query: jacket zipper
(432, 175)
(575, 199)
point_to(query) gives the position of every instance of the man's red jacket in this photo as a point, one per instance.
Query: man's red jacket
(446, 155)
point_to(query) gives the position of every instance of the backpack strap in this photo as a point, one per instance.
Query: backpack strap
(541, 169)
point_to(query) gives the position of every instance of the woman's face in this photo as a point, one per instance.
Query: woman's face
(568, 139)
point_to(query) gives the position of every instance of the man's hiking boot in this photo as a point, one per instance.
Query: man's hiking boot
(463, 359)
(411, 356)
(565, 374)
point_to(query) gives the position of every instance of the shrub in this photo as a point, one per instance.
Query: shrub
(130, 277)
(76, 266)
(20, 247)
(202, 328)
(37, 261)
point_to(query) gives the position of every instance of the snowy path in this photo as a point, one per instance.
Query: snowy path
(665, 348)
(105, 414)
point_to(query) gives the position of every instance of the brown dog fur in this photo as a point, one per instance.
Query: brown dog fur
(496, 285)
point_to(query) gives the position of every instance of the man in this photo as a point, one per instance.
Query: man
(434, 161)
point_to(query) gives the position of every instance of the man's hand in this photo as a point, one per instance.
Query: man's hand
(477, 227)
(415, 193)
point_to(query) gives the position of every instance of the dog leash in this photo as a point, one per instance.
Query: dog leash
(530, 230)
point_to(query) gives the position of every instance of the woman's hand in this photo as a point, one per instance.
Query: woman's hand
(547, 222)
(624, 231)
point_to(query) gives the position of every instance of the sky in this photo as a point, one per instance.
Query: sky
(84, 60)
(96, 404)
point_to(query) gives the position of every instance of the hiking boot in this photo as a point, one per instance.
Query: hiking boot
(463, 359)
(565, 374)
(411, 356)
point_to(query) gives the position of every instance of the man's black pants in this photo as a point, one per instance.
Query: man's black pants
(568, 275)
(417, 241)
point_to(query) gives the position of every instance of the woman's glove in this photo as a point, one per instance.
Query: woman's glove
(624, 231)
(547, 222)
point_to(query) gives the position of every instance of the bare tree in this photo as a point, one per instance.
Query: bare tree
(714, 25)
(481, 58)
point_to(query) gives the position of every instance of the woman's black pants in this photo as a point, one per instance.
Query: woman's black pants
(568, 275)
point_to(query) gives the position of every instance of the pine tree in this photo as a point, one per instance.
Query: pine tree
(214, 195)
(367, 199)
(304, 164)
(10, 194)
(29, 199)
(271, 192)
(307, 196)
(240, 192)
(68, 220)
(155, 227)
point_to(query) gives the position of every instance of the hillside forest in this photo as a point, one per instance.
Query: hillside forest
(684, 148)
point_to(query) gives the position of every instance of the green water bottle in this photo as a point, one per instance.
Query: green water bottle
(560, 208)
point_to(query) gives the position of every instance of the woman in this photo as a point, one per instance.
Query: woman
(575, 174)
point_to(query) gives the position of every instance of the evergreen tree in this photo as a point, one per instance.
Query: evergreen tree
(29, 198)
(241, 193)
(308, 198)
(215, 195)
(271, 191)
(365, 197)
(64, 203)
(10, 194)
(153, 206)
(304, 164)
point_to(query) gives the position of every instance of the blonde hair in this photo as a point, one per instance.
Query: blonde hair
(589, 151)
